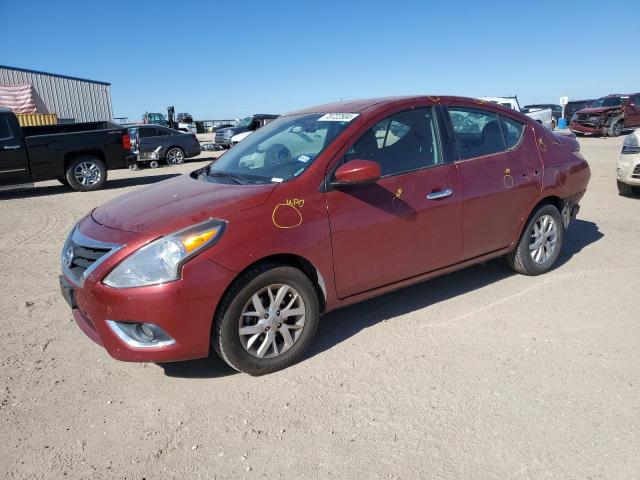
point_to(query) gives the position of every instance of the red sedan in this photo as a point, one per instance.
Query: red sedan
(321, 208)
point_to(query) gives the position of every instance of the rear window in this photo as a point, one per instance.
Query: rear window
(478, 132)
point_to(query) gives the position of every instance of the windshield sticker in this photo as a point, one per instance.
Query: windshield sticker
(276, 180)
(304, 158)
(298, 172)
(338, 117)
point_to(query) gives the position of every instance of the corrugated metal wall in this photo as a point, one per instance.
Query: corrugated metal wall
(71, 99)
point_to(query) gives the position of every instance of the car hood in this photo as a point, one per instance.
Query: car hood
(176, 203)
(598, 110)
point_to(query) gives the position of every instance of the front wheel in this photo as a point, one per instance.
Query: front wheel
(86, 173)
(175, 156)
(616, 129)
(540, 243)
(267, 320)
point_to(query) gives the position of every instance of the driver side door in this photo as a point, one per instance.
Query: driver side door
(407, 223)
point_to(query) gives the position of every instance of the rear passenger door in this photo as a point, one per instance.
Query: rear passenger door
(500, 173)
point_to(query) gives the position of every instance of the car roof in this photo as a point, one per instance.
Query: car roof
(360, 106)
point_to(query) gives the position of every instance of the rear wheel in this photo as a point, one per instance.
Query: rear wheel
(540, 243)
(175, 156)
(86, 173)
(267, 320)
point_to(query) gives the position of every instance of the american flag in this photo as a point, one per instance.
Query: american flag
(18, 97)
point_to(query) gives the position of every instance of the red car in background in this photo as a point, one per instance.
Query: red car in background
(608, 115)
(321, 208)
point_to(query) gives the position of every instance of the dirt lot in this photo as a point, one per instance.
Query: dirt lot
(482, 374)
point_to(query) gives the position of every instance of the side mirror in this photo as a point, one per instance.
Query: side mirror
(357, 172)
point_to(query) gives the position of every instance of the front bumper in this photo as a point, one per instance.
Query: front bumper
(580, 128)
(628, 169)
(184, 309)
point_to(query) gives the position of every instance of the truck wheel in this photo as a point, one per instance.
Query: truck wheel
(627, 190)
(540, 243)
(267, 319)
(86, 173)
(175, 156)
(616, 129)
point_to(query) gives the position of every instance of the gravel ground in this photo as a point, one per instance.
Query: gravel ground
(481, 374)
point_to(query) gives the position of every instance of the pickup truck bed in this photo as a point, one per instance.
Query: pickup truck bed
(77, 154)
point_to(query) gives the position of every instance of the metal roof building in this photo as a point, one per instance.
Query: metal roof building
(72, 99)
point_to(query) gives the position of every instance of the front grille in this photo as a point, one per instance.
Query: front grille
(81, 255)
(84, 257)
(636, 172)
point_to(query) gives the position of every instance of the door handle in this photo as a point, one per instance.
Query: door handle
(447, 192)
(11, 147)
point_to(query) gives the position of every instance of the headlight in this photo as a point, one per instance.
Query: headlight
(631, 144)
(161, 260)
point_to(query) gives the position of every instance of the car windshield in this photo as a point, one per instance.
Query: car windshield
(245, 122)
(607, 102)
(279, 151)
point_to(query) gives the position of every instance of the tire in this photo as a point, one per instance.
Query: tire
(86, 173)
(235, 349)
(522, 260)
(616, 129)
(628, 190)
(175, 156)
(63, 180)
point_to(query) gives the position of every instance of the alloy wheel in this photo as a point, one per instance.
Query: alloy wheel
(271, 321)
(87, 174)
(175, 156)
(543, 239)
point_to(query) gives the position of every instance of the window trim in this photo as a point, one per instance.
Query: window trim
(438, 134)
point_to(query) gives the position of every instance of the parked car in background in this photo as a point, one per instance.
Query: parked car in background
(174, 146)
(543, 116)
(628, 166)
(556, 111)
(322, 208)
(608, 115)
(76, 154)
(237, 138)
(573, 106)
(249, 124)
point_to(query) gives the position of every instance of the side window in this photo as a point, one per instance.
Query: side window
(145, 132)
(512, 131)
(477, 132)
(403, 142)
(637, 100)
(5, 130)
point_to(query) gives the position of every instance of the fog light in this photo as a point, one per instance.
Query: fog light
(619, 172)
(140, 335)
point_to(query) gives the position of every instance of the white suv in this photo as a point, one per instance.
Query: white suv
(628, 166)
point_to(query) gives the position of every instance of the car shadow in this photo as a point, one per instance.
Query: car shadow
(212, 367)
(340, 325)
(110, 185)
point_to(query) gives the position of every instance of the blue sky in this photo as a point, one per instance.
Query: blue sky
(229, 59)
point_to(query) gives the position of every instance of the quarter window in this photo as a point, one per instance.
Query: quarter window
(478, 132)
(512, 131)
(403, 142)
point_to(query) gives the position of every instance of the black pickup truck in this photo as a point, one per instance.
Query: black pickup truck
(76, 154)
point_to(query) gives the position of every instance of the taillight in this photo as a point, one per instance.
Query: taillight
(126, 141)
